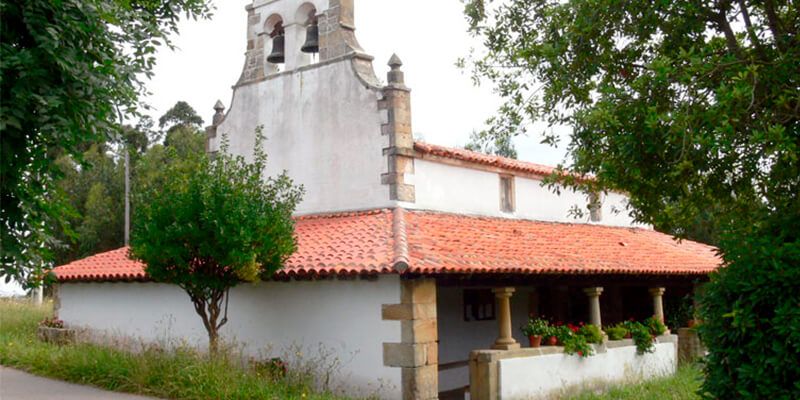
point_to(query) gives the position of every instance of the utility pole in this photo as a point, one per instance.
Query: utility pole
(127, 195)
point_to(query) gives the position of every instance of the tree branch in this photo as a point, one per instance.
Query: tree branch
(751, 32)
(774, 23)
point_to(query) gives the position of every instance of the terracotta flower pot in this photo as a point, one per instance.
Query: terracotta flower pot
(552, 341)
(627, 335)
(535, 340)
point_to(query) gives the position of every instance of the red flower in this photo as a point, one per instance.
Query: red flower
(580, 352)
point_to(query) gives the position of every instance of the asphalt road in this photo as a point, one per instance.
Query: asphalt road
(18, 385)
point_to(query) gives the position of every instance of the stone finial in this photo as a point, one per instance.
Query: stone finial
(395, 75)
(219, 113)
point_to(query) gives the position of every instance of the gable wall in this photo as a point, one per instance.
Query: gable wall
(323, 126)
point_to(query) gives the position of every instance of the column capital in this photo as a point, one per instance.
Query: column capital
(503, 291)
(657, 291)
(593, 291)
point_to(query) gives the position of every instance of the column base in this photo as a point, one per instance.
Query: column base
(509, 346)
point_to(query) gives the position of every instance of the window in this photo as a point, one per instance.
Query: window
(506, 193)
(478, 305)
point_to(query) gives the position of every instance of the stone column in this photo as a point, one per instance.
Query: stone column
(658, 304)
(505, 341)
(418, 351)
(594, 305)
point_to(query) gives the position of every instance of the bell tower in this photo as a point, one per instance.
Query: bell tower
(329, 121)
(283, 35)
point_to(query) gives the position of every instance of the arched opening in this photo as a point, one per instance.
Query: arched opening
(274, 28)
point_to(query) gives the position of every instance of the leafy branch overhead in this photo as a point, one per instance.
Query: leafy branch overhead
(69, 68)
(679, 103)
(219, 222)
(693, 109)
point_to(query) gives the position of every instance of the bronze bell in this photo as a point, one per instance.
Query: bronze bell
(312, 39)
(277, 55)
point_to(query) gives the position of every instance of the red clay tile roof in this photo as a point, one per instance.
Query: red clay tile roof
(111, 265)
(406, 241)
(452, 243)
(484, 159)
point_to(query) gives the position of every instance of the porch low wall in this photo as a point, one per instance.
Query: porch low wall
(545, 372)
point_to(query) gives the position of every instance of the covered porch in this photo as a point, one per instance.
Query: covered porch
(484, 312)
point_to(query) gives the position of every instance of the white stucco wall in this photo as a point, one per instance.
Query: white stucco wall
(443, 187)
(322, 126)
(342, 315)
(457, 338)
(544, 376)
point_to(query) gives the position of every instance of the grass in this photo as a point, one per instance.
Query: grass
(681, 386)
(176, 374)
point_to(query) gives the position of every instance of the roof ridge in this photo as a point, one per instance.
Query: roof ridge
(338, 214)
(498, 161)
(400, 239)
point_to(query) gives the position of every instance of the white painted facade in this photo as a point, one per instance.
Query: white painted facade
(344, 316)
(323, 126)
(318, 131)
(456, 189)
(550, 375)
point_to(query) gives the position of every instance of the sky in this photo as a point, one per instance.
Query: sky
(428, 36)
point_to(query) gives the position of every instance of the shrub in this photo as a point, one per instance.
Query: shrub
(616, 332)
(751, 315)
(591, 333)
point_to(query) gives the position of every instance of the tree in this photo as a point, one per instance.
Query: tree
(67, 70)
(693, 109)
(499, 146)
(217, 223)
(180, 117)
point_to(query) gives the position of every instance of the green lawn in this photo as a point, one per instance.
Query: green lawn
(681, 386)
(179, 374)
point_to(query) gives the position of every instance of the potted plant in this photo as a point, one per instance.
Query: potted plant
(591, 333)
(52, 330)
(655, 325)
(535, 329)
(617, 332)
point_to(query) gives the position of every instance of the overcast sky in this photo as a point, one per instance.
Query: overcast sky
(428, 35)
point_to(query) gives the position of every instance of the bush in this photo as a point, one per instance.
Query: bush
(751, 315)
(591, 333)
(616, 332)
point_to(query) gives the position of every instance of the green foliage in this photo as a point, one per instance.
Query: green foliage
(536, 326)
(751, 314)
(578, 344)
(67, 69)
(641, 337)
(681, 386)
(693, 110)
(616, 332)
(499, 146)
(591, 333)
(179, 373)
(655, 325)
(218, 222)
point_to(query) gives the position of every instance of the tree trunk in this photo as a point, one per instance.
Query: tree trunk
(208, 307)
